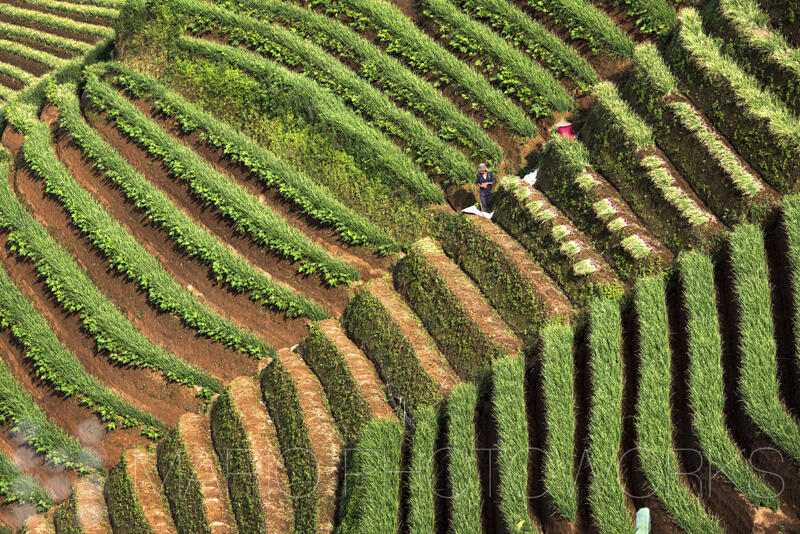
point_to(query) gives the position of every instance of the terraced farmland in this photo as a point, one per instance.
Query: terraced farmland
(237, 294)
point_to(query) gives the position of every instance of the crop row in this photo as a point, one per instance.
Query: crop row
(56, 41)
(22, 76)
(383, 70)
(236, 271)
(266, 227)
(790, 224)
(54, 22)
(19, 49)
(17, 487)
(652, 16)
(584, 21)
(427, 57)
(513, 72)
(653, 412)
(71, 8)
(706, 390)
(465, 503)
(525, 32)
(293, 185)
(753, 119)
(422, 477)
(286, 47)
(125, 255)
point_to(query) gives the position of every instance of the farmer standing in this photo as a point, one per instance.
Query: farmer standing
(485, 181)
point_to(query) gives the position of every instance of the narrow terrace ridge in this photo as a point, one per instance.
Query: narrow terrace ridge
(92, 515)
(434, 363)
(262, 439)
(362, 368)
(141, 466)
(470, 296)
(195, 435)
(40, 524)
(555, 301)
(326, 444)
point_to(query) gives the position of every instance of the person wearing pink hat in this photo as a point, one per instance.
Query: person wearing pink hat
(564, 129)
(485, 182)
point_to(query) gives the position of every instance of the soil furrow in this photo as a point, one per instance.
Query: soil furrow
(29, 65)
(60, 32)
(97, 21)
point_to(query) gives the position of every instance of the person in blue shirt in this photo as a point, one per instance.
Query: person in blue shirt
(485, 181)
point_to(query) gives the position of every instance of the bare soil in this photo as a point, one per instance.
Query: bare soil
(262, 439)
(194, 432)
(29, 65)
(326, 444)
(98, 21)
(335, 299)
(75, 36)
(11, 83)
(40, 524)
(91, 505)
(149, 490)
(362, 368)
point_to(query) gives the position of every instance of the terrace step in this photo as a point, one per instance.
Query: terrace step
(194, 432)
(435, 364)
(262, 439)
(92, 515)
(326, 444)
(361, 367)
(40, 524)
(147, 486)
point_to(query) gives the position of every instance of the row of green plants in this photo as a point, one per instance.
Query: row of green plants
(790, 226)
(387, 73)
(567, 178)
(292, 184)
(706, 384)
(607, 496)
(49, 39)
(564, 252)
(347, 404)
(125, 255)
(499, 278)
(761, 50)
(125, 509)
(371, 492)
(28, 52)
(422, 54)
(558, 394)
(586, 22)
(468, 349)
(54, 22)
(22, 76)
(758, 381)
(462, 472)
(756, 123)
(508, 409)
(70, 8)
(286, 47)
(17, 487)
(197, 242)
(512, 71)
(526, 33)
(422, 482)
(113, 332)
(652, 16)
(655, 446)
(6, 93)
(372, 327)
(785, 14)
(372, 150)
(56, 365)
(263, 225)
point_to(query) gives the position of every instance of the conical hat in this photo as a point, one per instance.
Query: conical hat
(562, 123)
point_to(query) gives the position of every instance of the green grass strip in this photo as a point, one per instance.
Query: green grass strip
(653, 412)
(386, 72)
(425, 55)
(421, 477)
(607, 496)
(23, 76)
(71, 8)
(586, 22)
(558, 390)
(758, 384)
(293, 185)
(197, 242)
(55, 22)
(17, 487)
(791, 225)
(48, 60)
(13, 30)
(6, 93)
(286, 47)
(511, 70)
(465, 482)
(266, 227)
(125, 254)
(372, 491)
(706, 393)
(524, 32)
(508, 406)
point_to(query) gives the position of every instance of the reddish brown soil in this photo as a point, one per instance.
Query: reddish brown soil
(488, 468)
(262, 439)
(34, 67)
(91, 505)
(11, 83)
(326, 444)
(273, 327)
(98, 21)
(148, 490)
(41, 524)
(362, 368)
(75, 36)
(195, 435)
(180, 194)
(434, 363)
